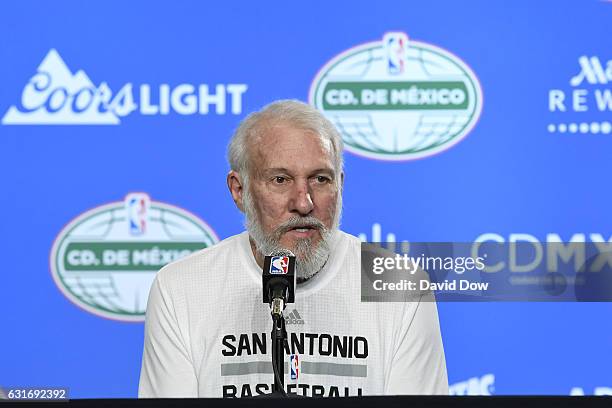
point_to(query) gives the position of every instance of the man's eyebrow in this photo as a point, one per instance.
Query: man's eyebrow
(276, 170)
(284, 170)
(327, 170)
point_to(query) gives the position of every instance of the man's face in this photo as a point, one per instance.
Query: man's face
(294, 191)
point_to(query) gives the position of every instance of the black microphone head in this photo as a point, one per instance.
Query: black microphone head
(279, 276)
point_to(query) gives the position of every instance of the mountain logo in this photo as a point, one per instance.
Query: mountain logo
(106, 266)
(398, 99)
(56, 96)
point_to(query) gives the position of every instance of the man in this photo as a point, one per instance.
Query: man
(207, 330)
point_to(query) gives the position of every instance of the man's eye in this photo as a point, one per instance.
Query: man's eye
(279, 179)
(322, 179)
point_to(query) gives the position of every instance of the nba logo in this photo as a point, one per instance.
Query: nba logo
(294, 366)
(279, 265)
(137, 210)
(396, 47)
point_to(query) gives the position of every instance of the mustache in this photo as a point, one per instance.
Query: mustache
(300, 222)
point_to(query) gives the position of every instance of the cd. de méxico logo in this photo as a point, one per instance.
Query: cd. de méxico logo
(398, 99)
(56, 96)
(105, 260)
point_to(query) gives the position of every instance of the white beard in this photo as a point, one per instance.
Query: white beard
(310, 258)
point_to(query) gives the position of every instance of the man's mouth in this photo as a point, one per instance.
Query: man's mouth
(303, 231)
(304, 228)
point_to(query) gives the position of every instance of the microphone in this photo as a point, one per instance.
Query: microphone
(278, 279)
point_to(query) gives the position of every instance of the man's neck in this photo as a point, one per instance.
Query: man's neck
(258, 257)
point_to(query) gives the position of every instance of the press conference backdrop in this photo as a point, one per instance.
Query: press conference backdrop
(459, 118)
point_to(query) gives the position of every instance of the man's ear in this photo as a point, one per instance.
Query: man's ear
(234, 183)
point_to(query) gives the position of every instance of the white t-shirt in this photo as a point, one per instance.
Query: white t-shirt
(207, 332)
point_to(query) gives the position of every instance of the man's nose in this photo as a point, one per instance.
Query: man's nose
(301, 198)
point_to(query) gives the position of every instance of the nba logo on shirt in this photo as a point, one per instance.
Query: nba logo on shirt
(279, 265)
(294, 366)
(137, 209)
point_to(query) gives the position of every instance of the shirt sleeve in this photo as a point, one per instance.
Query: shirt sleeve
(419, 366)
(167, 370)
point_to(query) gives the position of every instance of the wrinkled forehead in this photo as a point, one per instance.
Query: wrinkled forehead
(287, 146)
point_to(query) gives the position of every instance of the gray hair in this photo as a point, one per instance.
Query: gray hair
(288, 111)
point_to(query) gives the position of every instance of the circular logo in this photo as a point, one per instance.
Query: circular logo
(398, 99)
(105, 260)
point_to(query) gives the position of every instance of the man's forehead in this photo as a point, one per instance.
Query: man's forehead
(285, 146)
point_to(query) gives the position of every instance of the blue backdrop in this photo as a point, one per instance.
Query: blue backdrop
(536, 162)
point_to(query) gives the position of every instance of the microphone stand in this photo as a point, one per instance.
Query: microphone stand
(279, 334)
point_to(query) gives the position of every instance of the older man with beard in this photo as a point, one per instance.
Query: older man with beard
(207, 331)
